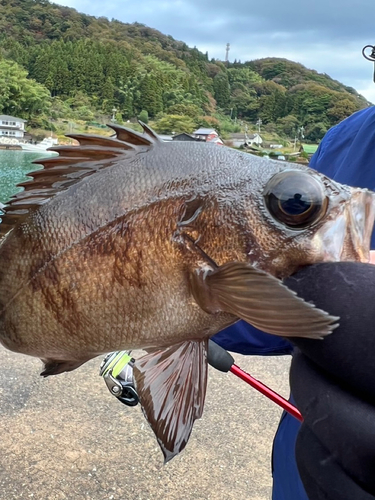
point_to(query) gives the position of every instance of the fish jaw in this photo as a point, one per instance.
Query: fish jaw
(347, 236)
(361, 215)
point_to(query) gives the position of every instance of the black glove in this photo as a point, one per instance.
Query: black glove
(333, 383)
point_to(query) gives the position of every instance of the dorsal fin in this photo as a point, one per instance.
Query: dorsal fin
(93, 153)
(133, 137)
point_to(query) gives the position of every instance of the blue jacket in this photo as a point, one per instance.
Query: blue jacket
(347, 155)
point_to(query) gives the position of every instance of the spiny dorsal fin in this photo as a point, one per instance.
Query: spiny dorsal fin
(93, 153)
(133, 137)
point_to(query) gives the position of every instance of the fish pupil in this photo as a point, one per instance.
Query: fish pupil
(294, 205)
(295, 198)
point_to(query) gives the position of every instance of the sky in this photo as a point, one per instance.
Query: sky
(325, 35)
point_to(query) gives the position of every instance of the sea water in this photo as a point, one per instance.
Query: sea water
(14, 165)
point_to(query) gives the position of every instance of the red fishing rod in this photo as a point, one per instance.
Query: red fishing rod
(220, 359)
(117, 371)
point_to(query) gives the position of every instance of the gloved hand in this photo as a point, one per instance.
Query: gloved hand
(333, 384)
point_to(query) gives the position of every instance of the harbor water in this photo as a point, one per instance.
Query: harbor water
(14, 165)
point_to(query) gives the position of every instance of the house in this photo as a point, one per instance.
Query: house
(205, 134)
(253, 139)
(244, 140)
(216, 140)
(162, 137)
(184, 137)
(12, 128)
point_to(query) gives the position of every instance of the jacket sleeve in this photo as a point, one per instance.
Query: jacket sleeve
(245, 339)
(347, 152)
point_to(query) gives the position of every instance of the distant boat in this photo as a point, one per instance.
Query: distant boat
(46, 143)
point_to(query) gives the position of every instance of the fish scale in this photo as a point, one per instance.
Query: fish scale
(129, 242)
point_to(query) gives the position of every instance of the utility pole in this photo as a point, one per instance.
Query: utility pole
(259, 123)
(227, 53)
(71, 125)
(246, 136)
(299, 132)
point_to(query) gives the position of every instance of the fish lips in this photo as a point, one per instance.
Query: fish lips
(347, 236)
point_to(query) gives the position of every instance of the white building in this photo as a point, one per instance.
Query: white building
(253, 139)
(11, 128)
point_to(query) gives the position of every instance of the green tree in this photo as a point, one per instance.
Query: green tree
(19, 95)
(221, 90)
(150, 96)
(107, 94)
(210, 122)
(132, 67)
(81, 106)
(174, 123)
(243, 75)
(287, 125)
(143, 116)
(244, 104)
(315, 131)
(271, 99)
(341, 110)
(191, 110)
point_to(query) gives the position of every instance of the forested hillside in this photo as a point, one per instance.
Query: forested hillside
(56, 62)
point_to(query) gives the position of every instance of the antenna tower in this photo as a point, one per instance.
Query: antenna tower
(227, 52)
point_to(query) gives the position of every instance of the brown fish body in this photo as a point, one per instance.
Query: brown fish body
(105, 266)
(118, 257)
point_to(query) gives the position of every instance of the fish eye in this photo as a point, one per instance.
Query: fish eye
(296, 199)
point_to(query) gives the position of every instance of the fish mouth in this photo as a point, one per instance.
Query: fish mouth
(347, 236)
(361, 215)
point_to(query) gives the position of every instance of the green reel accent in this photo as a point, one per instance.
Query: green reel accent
(118, 363)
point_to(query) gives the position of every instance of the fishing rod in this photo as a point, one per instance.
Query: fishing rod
(117, 371)
(223, 361)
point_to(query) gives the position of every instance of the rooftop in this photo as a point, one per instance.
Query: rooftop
(309, 148)
(11, 118)
(205, 131)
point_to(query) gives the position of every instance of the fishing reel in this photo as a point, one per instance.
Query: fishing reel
(117, 371)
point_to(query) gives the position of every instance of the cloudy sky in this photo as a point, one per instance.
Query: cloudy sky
(325, 35)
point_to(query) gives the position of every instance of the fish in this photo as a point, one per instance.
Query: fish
(129, 242)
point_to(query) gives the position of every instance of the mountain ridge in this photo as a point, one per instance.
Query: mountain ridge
(103, 65)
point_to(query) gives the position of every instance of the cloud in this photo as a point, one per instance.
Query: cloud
(325, 36)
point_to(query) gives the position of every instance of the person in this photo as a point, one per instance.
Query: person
(347, 155)
(333, 383)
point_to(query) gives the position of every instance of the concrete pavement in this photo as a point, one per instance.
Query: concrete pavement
(66, 437)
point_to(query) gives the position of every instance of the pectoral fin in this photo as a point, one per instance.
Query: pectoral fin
(171, 385)
(260, 299)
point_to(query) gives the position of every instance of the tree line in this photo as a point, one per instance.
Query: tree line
(77, 63)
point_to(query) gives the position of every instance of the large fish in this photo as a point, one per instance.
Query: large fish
(130, 242)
